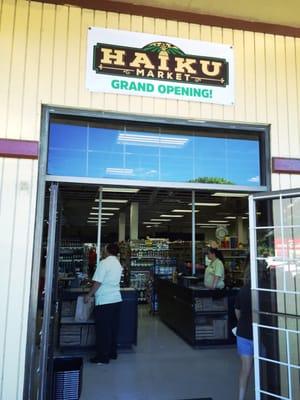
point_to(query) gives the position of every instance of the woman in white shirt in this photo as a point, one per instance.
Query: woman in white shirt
(214, 272)
(106, 288)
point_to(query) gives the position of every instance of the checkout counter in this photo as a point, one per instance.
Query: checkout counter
(201, 316)
(79, 336)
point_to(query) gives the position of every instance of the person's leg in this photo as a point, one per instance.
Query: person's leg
(102, 333)
(115, 330)
(246, 368)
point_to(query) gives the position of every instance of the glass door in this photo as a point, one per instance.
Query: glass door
(49, 297)
(275, 274)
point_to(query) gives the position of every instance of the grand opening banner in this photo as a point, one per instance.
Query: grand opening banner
(142, 64)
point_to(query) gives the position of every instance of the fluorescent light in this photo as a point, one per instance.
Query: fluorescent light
(227, 194)
(217, 221)
(230, 217)
(120, 190)
(105, 213)
(119, 171)
(171, 215)
(244, 217)
(188, 211)
(106, 208)
(112, 201)
(151, 223)
(160, 219)
(149, 226)
(205, 224)
(206, 204)
(151, 140)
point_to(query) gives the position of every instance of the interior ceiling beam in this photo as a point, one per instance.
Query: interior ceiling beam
(190, 17)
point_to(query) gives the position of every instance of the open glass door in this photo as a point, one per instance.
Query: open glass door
(274, 220)
(49, 298)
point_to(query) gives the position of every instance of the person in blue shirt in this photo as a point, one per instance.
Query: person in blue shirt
(106, 289)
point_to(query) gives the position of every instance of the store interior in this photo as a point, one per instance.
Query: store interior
(154, 229)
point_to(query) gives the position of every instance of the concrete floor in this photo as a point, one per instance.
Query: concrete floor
(163, 367)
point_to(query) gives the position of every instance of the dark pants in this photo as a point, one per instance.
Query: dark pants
(107, 318)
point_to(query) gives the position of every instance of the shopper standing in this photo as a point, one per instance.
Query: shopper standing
(106, 288)
(214, 272)
(243, 312)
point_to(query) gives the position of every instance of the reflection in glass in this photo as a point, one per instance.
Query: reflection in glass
(148, 152)
(274, 378)
(295, 378)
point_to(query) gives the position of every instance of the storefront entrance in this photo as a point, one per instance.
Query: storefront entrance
(165, 183)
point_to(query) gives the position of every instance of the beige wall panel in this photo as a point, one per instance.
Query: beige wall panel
(6, 44)
(21, 219)
(111, 100)
(292, 97)
(260, 78)
(239, 68)
(217, 110)
(282, 103)
(137, 23)
(73, 57)
(59, 72)
(98, 99)
(250, 84)
(136, 102)
(194, 106)
(228, 39)
(172, 104)
(160, 105)
(148, 102)
(206, 109)
(46, 54)
(30, 106)
(84, 95)
(183, 106)
(16, 87)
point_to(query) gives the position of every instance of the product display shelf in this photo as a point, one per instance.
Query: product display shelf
(71, 258)
(143, 258)
(182, 251)
(163, 269)
(234, 265)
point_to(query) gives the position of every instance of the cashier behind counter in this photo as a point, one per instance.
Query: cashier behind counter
(214, 272)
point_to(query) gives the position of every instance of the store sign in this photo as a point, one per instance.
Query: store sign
(158, 66)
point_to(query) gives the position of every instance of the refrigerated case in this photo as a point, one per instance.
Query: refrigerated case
(275, 276)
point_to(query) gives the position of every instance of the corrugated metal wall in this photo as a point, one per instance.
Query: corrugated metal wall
(43, 59)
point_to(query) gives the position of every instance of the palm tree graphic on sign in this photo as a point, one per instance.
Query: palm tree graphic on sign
(164, 50)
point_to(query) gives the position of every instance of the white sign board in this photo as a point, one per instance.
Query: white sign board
(141, 64)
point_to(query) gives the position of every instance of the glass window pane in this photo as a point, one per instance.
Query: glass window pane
(274, 378)
(148, 152)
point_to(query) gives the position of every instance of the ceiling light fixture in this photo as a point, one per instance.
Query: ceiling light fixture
(230, 217)
(112, 201)
(120, 190)
(187, 211)
(151, 140)
(206, 204)
(171, 216)
(119, 171)
(107, 208)
(225, 194)
(151, 223)
(160, 219)
(217, 221)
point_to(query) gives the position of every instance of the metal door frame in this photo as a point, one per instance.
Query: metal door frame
(279, 195)
(50, 261)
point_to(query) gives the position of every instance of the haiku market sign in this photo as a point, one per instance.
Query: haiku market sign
(158, 66)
